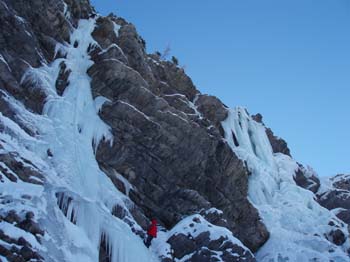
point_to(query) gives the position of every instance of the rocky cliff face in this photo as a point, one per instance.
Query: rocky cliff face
(335, 196)
(97, 137)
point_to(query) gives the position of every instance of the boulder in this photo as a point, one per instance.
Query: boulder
(193, 238)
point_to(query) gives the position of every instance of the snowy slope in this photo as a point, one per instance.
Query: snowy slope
(296, 222)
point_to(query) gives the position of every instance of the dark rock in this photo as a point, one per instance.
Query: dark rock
(139, 217)
(104, 251)
(8, 174)
(204, 255)
(62, 79)
(172, 80)
(337, 196)
(27, 253)
(30, 226)
(335, 199)
(176, 163)
(23, 242)
(49, 153)
(188, 202)
(29, 215)
(112, 52)
(278, 144)
(215, 217)
(185, 155)
(337, 237)
(342, 182)
(104, 32)
(212, 108)
(23, 168)
(345, 216)
(203, 240)
(79, 9)
(202, 247)
(179, 102)
(182, 245)
(119, 212)
(133, 47)
(4, 251)
(12, 217)
(307, 178)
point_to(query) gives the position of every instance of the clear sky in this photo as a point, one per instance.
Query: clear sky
(288, 60)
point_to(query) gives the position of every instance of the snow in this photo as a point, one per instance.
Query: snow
(214, 210)
(60, 49)
(99, 101)
(20, 19)
(192, 226)
(173, 114)
(2, 59)
(125, 182)
(116, 29)
(71, 129)
(296, 222)
(5, 5)
(3, 259)
(65, 10)
(75, 162)
(194, 107)
(190, 104)
(113, 46)
(16, 233)
(215, 232)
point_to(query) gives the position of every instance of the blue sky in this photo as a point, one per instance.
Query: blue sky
(288, 60)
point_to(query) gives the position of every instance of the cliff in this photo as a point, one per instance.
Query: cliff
(97, 137)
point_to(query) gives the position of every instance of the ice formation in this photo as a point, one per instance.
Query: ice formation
(296, 222)
(76, 202)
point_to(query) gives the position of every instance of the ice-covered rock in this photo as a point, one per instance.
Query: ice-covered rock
(300, 229)
(195, 239)
(334, 194)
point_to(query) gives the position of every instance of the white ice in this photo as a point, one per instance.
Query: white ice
(71, 129)
(296, 222)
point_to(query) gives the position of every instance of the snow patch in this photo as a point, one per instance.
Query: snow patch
(116, 29)
(99, 101)
(2, 59)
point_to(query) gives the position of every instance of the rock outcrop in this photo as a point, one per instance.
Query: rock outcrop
(196, 240)
(168, 142)
(336, 196)
(190, 168)
(307, 178)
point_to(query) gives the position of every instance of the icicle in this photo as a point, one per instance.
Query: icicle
(296, 222)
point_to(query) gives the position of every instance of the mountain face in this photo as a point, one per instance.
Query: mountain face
(97, 137)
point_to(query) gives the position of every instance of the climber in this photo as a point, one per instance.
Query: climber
(151, 232)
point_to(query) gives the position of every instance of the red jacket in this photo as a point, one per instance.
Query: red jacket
(152, 230)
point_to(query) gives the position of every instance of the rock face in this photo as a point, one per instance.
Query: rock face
(337, 196)
(168, 149)
(189, 168)
(162, 151)
(307, 178)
